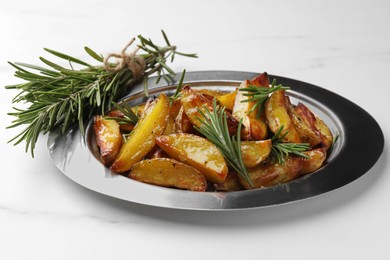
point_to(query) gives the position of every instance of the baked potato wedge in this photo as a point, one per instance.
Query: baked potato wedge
(118, 114)
(227, 100)
(182, 122)
(277, 116)
(254, 128)
(231, 183)
(326, 134)
(192, 101)
(209, 93)
(316, 159)
(272, 173)
(168, 173)
(108, 138)
(197, 152)
(254, 152)
(303, 121)
(143, 137)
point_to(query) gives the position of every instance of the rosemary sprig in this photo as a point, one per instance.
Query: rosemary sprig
(280, 150)
(178, 89)
(214, 127)
(260, 95)
(60, 97)
(129, 116)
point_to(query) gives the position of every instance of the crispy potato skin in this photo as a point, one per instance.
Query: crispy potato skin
(108, 138)
(326, 134)
(182, 122)
(272, 173)
(142, 139)
(254, 152)
(303, 124)
(316, 159)
(192, 101)
(197, 152)
(168, 173)
(231, 183)
(277, 115)
(262, 80)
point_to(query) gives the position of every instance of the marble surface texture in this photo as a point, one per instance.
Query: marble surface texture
(343, 46)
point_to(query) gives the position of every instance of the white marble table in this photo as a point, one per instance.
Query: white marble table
(343, 46)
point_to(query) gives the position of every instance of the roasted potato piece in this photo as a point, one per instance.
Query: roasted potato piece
(227, 100)
(170, 128)
(254, 152)
(316, 159)
(142, 139)
(254, 128)
(272, 173)
(175, 108)
(119, 114)
(277, 116)
(192, 101)
(209, 93)
(168, 173)
(326, 134)
(262, 80)
(303, 124)
(182, 122)
(197, 152)
(108, 138)
(231, 183)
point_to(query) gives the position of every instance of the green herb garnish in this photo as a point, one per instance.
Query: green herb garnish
(129, 116)
(280, 150)
(178, 89)
(260, 95)
(215, 128)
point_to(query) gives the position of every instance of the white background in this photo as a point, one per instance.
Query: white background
(343, 46)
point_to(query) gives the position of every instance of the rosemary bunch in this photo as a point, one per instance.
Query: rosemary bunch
(260, 95)
(214, 127)
(60, 97)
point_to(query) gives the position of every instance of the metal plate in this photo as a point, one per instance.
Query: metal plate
(352, 156)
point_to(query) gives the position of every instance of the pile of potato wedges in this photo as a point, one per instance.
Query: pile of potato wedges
(163, 148)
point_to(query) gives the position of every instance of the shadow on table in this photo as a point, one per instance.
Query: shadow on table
(263, 217)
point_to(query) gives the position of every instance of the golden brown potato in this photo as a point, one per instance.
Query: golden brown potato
(170, 128)
(262, 80)
(254, 128)
(277, 116)
(197, 152)
(182, 122)
(119, 114)
(143, 138)
(231, 183)
(303, 124)
(272, 173)
(316, 159)
(192, 101)
(210, 93)
(108, 138)
(254, 152)
(175, 108)
(227, 100)
(326, 134)
(168, 173)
